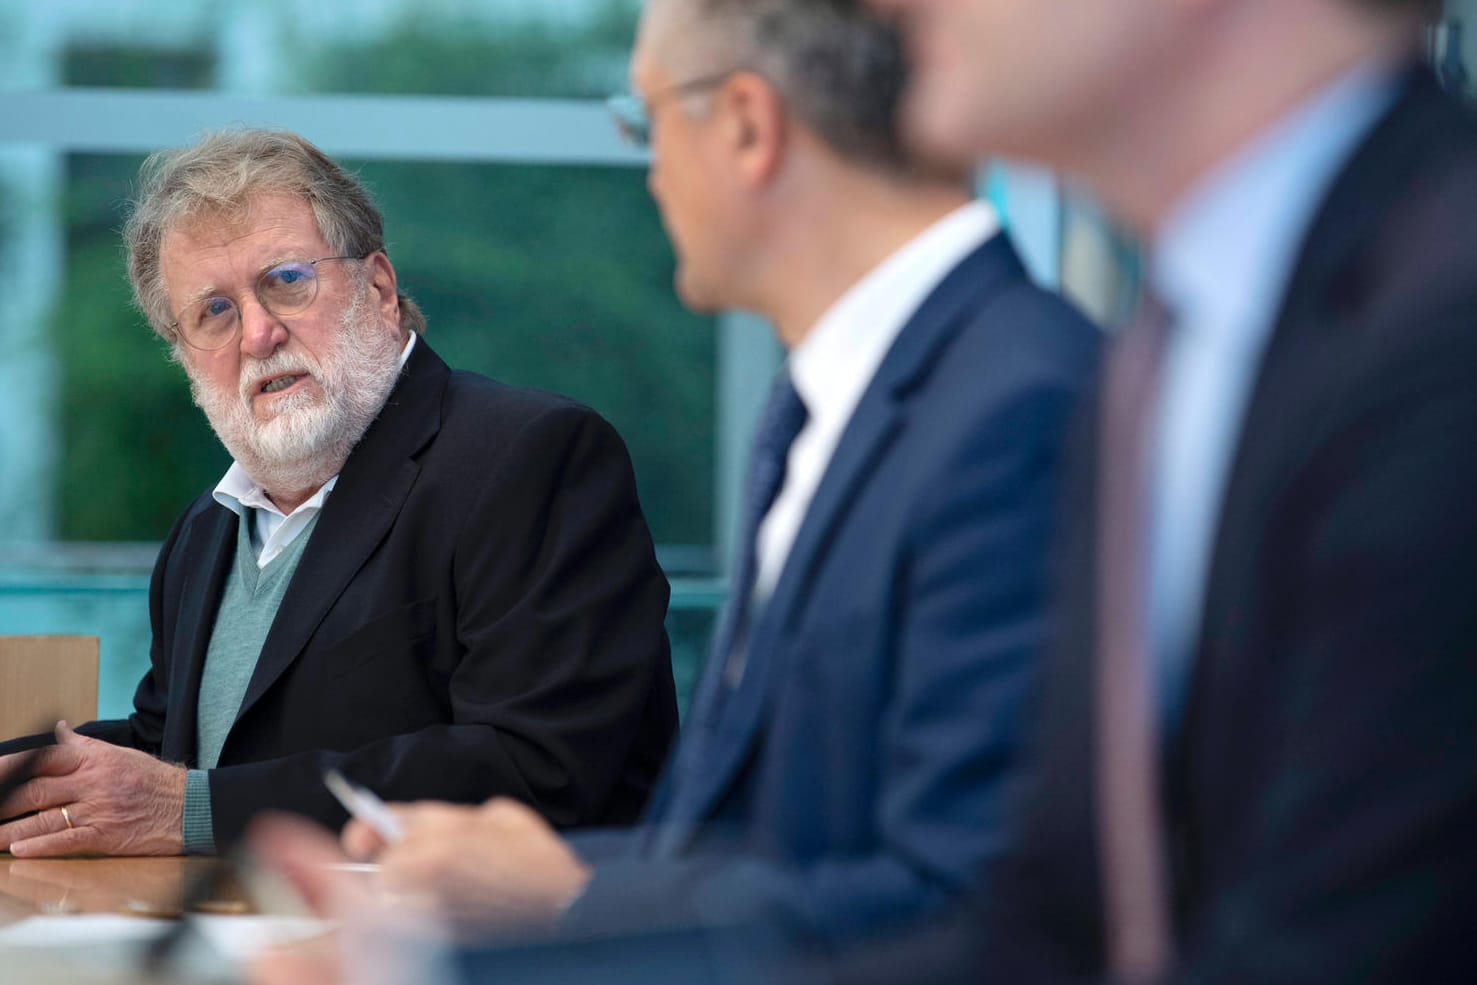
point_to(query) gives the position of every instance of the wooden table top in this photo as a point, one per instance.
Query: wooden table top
(151, 887)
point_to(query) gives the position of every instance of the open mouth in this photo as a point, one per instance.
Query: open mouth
(279, 383)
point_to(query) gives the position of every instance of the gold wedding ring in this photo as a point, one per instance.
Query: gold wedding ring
(66, 816)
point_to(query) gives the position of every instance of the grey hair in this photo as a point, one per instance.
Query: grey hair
(220, 174)
(839, 66)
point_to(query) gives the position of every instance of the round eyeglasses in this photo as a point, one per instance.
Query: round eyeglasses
(287, 289)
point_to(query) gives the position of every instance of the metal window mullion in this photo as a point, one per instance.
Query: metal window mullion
(407, 128)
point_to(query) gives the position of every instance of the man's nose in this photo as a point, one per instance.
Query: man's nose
(261, 331)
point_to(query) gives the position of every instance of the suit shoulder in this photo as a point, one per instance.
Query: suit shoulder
(1057, 321)
(1010, 377)
(1034, 333)
(491, 410)
(471, 392)
(203, 504)
(202, 510)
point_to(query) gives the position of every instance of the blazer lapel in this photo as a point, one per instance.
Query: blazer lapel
(358, 514)
(1321, 313)
(875, 423)
(209, 550)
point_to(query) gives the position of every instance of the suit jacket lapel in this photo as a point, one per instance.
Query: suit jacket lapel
(1336, 264)
(1316, 326)
(208, 552)
(357, 516)
(875, 423)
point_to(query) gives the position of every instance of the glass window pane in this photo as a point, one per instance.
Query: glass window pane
(504, 48)
(579, 54)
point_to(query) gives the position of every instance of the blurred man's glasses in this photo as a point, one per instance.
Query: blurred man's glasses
(286, 289)
(632, 114)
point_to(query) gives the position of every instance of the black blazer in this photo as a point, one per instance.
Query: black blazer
(1322, 797)
(479, 611)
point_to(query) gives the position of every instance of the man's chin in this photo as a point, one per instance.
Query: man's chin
(693, 293)
(296, 437)
(284, 470)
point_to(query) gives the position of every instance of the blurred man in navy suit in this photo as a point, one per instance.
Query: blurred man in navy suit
(1257, 756)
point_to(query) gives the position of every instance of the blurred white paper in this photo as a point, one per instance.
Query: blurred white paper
(75, 929)
(243, 937)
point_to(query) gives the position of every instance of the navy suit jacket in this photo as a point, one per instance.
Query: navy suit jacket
(479, 611)
(859, 772)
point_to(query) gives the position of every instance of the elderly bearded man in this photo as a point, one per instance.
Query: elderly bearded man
(440, 585)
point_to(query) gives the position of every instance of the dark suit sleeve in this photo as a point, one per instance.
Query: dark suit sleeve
(1362, 865)
(969, 622)
(560, 649)
(144, 728)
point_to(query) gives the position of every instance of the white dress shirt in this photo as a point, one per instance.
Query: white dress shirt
(837, 359)
(271, 529)
(1221, 265)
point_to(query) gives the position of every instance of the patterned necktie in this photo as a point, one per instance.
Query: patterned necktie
(1130, 826)
(784, 417)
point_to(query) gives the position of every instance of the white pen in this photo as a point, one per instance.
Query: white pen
(364, 805)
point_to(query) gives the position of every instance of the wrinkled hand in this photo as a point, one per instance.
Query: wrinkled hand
(121, 801)
(495, 865)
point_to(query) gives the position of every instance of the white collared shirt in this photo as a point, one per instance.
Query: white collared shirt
(833, 365)
(1221, 264)
(271, 529)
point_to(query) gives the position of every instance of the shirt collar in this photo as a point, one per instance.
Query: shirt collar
(1224, 255)
(238, 491)
(839, 356)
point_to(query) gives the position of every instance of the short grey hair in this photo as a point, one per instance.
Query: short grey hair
(839, 65)
(220, 174)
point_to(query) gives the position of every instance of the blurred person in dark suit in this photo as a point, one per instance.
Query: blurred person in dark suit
(438, 584)
(853, 742)
(1257, 760)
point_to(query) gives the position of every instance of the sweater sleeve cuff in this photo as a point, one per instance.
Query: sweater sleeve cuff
(198, 835)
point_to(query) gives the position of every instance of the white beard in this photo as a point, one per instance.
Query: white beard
(310, 435)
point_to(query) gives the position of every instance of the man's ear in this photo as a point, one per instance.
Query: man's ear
(382, 285)
(756, 126)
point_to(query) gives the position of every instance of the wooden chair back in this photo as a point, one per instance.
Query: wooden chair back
(43, 678)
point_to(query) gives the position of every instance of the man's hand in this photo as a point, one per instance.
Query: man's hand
(308, 857)
(119, 802)
(378, 941)
(495, 865)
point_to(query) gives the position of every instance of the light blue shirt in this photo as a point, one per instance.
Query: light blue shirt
(1221, 265)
